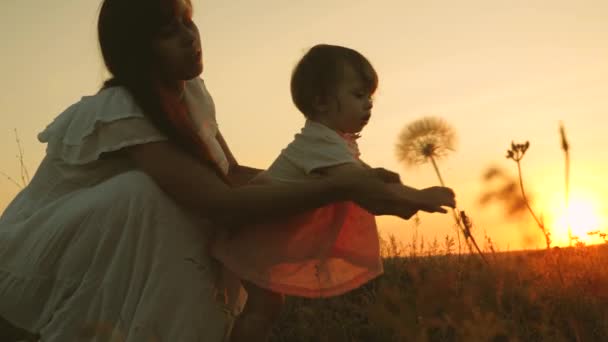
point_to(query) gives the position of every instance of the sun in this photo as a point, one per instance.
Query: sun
(582, 216)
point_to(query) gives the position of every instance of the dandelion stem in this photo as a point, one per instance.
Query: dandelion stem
(437, 170)
(467, 235)
(453, 210)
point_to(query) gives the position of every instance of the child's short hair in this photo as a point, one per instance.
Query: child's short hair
(319, 71)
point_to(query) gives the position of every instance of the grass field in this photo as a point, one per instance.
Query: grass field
(559, 294)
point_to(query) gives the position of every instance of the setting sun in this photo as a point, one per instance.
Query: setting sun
(583, 216)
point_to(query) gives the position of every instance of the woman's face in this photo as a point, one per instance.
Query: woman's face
(177, 46)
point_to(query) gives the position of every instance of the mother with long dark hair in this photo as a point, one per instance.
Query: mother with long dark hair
(108, 241)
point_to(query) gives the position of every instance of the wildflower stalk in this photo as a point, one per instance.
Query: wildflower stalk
(523, 194)
(566, 149)
(10, 179)
(25, 176)
(465, 223)
(516, 153)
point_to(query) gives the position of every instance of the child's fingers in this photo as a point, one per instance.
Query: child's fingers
(434, 209)
(441, 210)
(451, 196)
(451, 202)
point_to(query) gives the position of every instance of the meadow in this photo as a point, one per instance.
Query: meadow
(432, 293)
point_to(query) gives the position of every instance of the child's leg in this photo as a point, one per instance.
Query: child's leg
(261, 311)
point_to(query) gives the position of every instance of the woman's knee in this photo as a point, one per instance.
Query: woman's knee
(135, 182)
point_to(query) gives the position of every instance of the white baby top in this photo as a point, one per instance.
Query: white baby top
(316, 146)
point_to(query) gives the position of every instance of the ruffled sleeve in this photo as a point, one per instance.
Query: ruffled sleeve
(107, 121)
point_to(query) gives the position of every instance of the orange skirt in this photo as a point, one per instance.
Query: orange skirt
(321, 253)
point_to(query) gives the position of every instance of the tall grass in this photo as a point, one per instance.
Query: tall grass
(560, 295)
(23, 172)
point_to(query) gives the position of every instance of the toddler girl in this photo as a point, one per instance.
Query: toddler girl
(332, 249)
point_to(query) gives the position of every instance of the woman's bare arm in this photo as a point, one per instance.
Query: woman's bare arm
(239, 174)
(197, 187)
(231, 159)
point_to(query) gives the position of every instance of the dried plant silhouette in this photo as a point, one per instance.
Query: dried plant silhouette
(566, 150)
(516, 153)
(427, 140)
(503, 188)
(24, 174)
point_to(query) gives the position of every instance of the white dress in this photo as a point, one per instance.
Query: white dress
(93, 250)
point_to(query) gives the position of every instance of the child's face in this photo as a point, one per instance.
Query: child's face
(349, 110)
(178, 46)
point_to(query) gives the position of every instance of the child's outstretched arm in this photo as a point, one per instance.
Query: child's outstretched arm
(431, 199)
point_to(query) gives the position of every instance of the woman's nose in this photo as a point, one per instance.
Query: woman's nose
(189, 38)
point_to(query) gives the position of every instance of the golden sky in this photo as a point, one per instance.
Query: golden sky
(496, 70)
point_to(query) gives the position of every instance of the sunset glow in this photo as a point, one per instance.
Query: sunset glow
(496, 71)
(583, 216)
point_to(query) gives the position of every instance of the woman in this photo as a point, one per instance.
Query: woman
(108, 241)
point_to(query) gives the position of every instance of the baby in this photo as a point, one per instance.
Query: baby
(333, 249)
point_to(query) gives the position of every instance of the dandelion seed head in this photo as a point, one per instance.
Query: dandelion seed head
(424, 139)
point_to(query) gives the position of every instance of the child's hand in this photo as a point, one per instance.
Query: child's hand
(378, 191)
(386, 176)
(433, 199)
(407, 212)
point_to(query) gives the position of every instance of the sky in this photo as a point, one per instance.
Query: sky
(497, 71)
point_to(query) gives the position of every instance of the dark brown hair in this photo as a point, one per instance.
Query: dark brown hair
(320, 70)
(126, 30)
